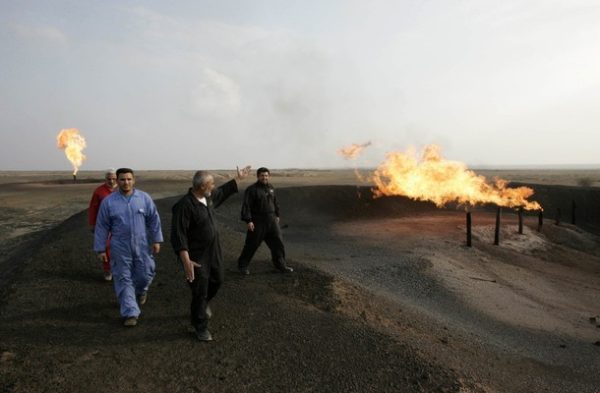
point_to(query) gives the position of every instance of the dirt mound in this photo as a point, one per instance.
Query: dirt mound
(569, 204)
(346, 203)
(318, 205)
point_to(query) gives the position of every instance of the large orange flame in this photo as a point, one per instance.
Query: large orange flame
(432, 178)
(73, 144)
(353, 150)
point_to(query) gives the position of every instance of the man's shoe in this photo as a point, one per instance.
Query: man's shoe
(130, 321)
(142, 298)
(208, 312)
(244, 271)
(204, 335)
(107, 276)
(285, 269)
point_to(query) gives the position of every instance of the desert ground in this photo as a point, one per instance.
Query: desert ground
(385, 297)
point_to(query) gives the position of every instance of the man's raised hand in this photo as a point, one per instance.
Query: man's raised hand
(244, 172)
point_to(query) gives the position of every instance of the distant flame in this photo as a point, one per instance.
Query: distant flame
(353, 150)
(432, 178)
(73, 144)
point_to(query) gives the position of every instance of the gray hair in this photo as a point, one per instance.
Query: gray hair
(110, 171)
(200, 177)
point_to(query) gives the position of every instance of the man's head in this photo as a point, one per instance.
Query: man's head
(203, 183)
(110, 178)
(262, 175)
(126, 180)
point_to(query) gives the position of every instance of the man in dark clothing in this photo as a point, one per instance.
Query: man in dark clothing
(195, 240)
(260, 211)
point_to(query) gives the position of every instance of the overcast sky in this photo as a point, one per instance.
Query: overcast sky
(211, 84)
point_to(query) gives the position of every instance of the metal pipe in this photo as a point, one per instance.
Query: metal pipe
(540, 220)
(468, 229)
(520, 220)
(497, 232)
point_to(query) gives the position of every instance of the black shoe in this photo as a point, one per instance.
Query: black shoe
(244, 271)
(204, 335)
(284, 269)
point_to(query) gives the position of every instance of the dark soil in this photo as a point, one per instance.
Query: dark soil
(60, 330)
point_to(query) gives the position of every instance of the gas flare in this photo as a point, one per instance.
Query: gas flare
(353, 151)
(433, 178)
(72, 143)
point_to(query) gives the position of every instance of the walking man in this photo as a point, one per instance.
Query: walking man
(105, 189)
(130, 217)
(260, 211)
(195, 240)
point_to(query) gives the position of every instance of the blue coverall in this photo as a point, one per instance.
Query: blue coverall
(134, 224)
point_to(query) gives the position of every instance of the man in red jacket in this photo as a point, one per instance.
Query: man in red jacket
(109, 185)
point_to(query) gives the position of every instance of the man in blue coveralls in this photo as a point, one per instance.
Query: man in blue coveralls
(131, 218)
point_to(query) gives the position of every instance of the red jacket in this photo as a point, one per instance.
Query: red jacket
(99, 194)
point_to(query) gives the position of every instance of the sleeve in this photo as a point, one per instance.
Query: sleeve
(224, 191)
(93, 208)
(275, 204)
(246, 203)
(102, 229)
(153, 222)
(180, 224)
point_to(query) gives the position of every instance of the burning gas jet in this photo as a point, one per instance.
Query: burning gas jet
(353, 151)
(73, 144)
(432, 178)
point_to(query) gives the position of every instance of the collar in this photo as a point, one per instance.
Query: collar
(197, 200)
(133, 193)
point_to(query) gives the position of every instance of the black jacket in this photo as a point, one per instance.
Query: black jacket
(194, 225)
(260, 202)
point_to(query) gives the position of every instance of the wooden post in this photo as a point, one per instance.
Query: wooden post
(573, 213)
(520, 220)
(468, 229)
(540, 220)
(497, 232)
(557, 221)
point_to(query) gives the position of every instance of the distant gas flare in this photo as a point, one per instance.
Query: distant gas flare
(73, 144)
(433, 178)
(353, 151)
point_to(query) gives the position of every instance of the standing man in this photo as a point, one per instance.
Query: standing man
(195, 240)
(105, 189)
(260, 211)
(131, 218)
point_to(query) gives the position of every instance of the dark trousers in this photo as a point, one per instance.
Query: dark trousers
(269, 232)
(206, 284)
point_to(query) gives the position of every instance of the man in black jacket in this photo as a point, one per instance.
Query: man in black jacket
(260, 211)
(195, 240)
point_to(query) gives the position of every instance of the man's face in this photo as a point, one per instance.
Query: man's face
(126, 182)
(263, 177)
(111, 180)
(207, 187)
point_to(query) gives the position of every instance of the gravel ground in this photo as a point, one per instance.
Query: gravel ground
(274, 333)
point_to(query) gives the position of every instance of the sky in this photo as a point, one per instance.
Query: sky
(214, 84)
